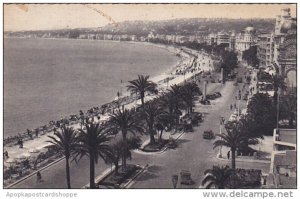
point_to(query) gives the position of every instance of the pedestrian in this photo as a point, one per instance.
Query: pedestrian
(234, 105)
(230, 106)
(228, 155)
(6, 155)
(38, 177)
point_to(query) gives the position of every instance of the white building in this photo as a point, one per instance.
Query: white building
(283, 167)
(244, 40)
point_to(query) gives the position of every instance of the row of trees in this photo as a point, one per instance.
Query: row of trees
(250, 56)
(94, 141)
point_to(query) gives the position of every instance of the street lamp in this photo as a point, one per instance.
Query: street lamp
(81, 118)
(222, 120)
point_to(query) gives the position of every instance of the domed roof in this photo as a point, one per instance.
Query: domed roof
(250, 29)
(288, 25)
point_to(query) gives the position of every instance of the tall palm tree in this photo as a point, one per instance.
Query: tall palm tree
(141, 86)
(152, 113)
(93, 143)
(235, 139)
(173, 101)
(217, 176)
(188, 94)
(278, 83)
(65, 141)
(288, 109)
(124, 121)
(118, 149)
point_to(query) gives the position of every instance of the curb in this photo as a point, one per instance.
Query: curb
(28, 176)
(252, 161)
(100, 177)
(139, 151)
(131, 181)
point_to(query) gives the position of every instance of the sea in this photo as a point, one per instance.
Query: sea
(47, 79)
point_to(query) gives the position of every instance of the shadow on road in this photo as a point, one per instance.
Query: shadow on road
(182, 141)
(154, 168)
(147, 176)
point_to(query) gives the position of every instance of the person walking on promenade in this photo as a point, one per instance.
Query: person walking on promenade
(38, 177)
(6, 155)
(228, 155)
(230, 106)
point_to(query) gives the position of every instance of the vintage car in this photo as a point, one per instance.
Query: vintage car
(208, 135)
(186, 178)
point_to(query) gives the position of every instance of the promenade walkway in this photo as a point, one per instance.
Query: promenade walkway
(40, 142)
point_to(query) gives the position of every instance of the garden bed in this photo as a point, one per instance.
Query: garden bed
(157, 146)
(245, 179)
(114, 180)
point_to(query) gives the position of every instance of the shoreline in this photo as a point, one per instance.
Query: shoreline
(20, 131)
(157, 78)
(187, 63)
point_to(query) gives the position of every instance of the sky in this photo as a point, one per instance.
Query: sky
(57, 16)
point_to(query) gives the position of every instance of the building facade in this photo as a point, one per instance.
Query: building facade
(283, 167)
(244, 40)
(223, 38)
(265, 46)
(285, 48)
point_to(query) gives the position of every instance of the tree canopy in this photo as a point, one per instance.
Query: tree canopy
(250, 56)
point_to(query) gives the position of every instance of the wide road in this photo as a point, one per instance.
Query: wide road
(194, 153)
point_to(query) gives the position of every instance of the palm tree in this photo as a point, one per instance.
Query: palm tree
(124, 121)
(218, 177)
(235, 139)
(278, 83)
(65, 142)
(118, 149)
(93, 143)
(152, 113)
(173, 101)
(289, 109)
(188, 94)
(141, 86)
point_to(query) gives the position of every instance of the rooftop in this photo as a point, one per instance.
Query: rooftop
(288, 135)
(285, 159)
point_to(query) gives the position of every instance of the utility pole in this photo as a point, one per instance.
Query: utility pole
(277, 125)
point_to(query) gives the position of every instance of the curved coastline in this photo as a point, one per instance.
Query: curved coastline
(187, 68)
(154, 78)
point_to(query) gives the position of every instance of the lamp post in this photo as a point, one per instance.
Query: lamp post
(277, 115)
(222, 120)
(81, 118)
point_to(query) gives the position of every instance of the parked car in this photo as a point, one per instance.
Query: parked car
(232, 118)
(186, 178)
(218, 94)
(211, 97)
(208, 135)
(205, 102)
